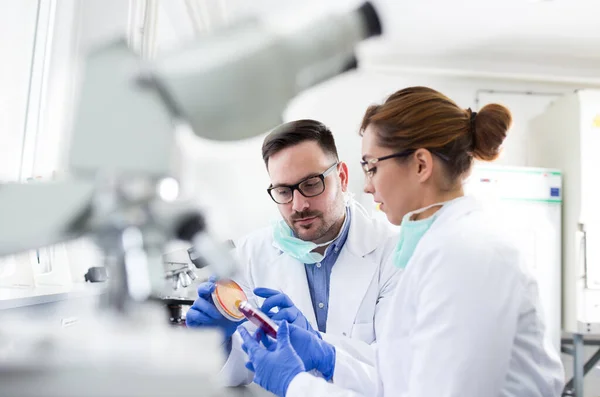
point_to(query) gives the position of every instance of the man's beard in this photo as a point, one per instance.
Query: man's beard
(324, 228)
(300, 231)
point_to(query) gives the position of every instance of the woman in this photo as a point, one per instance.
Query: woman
(466, 319)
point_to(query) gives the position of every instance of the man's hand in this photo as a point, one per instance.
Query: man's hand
(203, 312)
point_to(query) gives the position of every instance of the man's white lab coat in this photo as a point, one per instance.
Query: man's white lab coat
(362, 281)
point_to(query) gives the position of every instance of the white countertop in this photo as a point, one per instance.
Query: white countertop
(17, 297)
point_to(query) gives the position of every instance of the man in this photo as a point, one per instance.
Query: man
(326, 265)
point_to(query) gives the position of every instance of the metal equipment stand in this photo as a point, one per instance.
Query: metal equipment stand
(574, 386)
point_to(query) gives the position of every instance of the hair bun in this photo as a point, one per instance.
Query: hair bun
(491, 126)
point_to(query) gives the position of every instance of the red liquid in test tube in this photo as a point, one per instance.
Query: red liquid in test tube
(259, 319)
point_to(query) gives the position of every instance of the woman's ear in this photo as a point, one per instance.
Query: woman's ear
(423, 164)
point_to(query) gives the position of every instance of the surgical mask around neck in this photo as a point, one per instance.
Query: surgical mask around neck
(299, 249)
(411, 232)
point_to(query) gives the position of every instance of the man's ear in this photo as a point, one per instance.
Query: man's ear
(343, 173)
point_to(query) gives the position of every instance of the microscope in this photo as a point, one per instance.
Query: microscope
(184, 269)
(231, 85)
(179, 276)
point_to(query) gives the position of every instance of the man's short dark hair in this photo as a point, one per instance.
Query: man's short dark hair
(295, 132)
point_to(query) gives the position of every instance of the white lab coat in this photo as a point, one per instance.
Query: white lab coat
(361, 284)
(466, 321)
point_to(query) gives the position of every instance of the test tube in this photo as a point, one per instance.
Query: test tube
(258, 318)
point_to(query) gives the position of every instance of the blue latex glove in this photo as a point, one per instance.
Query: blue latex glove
(287, 310)
(274, 368)
(314, 352)
(203, 312)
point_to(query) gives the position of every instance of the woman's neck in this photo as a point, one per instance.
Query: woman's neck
(440, 197)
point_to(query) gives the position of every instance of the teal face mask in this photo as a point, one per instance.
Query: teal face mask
(295, 247)
(411, 233)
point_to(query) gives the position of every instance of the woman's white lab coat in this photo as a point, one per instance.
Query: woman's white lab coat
(362, 282)
(466, 321)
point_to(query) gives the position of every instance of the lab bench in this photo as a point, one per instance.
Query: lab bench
(65, 306)
(12, 298)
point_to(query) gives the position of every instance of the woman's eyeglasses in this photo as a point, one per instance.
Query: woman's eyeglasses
(369, 167)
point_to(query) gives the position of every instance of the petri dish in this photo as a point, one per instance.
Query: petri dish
(227, 296)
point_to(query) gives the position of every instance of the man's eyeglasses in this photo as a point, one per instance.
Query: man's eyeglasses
(309, 187)
(369, 167)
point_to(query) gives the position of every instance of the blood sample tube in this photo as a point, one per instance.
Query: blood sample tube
(258, 318)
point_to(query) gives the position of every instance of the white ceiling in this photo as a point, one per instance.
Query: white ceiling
(555, 39)
(571, 26)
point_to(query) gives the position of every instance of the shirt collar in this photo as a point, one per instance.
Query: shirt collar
(338, 243)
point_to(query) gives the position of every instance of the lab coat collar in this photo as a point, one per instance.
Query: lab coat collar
(456, 209)
(361, 237)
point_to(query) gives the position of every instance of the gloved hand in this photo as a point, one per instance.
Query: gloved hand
(276, 367)
(314, 352)
(287, 310)
(203, 312)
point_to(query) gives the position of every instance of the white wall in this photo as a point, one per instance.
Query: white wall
(229, 180)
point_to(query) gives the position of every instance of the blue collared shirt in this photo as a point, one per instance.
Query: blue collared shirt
(319, 275)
